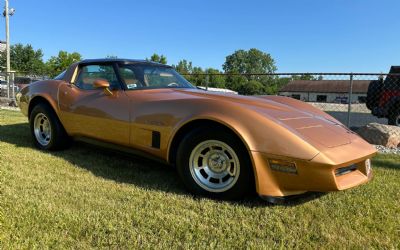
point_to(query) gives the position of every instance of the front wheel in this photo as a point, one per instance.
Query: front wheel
(215, 163)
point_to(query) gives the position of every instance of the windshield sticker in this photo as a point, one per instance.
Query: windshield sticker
(132, 86)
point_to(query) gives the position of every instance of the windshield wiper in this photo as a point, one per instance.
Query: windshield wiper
(201, 87)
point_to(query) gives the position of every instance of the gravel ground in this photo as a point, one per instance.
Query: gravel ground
(360, 115)
(385, 150)
(9, 108)
(339, 107)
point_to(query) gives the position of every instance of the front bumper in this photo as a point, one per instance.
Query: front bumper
(314, 175)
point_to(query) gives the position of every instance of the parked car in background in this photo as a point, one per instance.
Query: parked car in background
(22, 82)
(4, 86)
(19, 83)
(383, 97)
(341, 99)
(223, 145)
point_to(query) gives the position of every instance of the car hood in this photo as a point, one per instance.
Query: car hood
(299, 117)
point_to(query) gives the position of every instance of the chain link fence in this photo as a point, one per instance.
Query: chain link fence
(344, 96)
(12, 82)
(355, 99)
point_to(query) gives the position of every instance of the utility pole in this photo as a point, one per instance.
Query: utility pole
(7, 13)
(8, 68)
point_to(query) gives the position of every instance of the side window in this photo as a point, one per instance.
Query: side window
(148, 76)
(130, 78)
(158, 78)
(89, 73)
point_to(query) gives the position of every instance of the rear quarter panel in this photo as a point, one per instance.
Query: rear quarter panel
(46, 89)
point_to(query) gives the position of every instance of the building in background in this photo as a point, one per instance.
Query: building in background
(331, 91)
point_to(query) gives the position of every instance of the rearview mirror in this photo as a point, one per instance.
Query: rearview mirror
(102, 84)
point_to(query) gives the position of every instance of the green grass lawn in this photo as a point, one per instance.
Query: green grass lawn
(87, 197)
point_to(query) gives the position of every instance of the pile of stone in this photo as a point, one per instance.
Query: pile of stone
(385, 150)
(385, 137)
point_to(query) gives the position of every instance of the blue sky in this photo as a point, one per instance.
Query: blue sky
(301, 35)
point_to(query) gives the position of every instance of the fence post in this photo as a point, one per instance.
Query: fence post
(13, 86)
(349, 104)
(207, 80)
(8, 84)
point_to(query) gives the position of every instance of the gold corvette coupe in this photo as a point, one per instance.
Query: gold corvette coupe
(223, 145)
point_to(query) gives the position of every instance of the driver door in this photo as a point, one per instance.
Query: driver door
(93, 112)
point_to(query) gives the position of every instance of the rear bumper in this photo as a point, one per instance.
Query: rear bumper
(310, 175)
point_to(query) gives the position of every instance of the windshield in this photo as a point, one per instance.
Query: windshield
(141, 76)
(60, 76)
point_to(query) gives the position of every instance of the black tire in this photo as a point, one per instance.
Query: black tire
(394, 117)
(59, 138)
(373, 94)
(245, 181)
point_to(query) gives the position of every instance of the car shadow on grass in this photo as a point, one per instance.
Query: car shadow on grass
(129, 169)
(386, 164)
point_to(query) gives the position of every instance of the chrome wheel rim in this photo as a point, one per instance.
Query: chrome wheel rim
(42, 129)
(214, 166)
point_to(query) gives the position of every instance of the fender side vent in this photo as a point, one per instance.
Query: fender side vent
(155, 139)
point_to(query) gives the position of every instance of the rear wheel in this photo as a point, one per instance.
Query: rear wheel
(47, 131)
(215, 163)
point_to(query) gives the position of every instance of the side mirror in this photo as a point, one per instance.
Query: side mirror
(102, 84)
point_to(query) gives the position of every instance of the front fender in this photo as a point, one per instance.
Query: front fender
(258, 132)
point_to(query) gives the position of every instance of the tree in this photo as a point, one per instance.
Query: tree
(192, 74)
(276, 84)
(305, 77)
(158, 58)
(249, 62)
(252, 61)
(236, 82)
(184, 67)
(23, 58)
(56, 64)
(198, 76)
(251, 87)
(215, 80)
